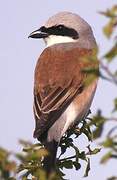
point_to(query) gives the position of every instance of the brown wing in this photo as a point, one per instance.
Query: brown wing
(58, 79)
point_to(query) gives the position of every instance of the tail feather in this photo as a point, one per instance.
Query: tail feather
(49, 161)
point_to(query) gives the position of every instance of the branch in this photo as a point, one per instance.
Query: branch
(64, 159)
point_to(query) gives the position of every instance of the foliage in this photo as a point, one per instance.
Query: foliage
(29, 161)
(111, 139)
(6, 166)
(111, 25)
(30, 158)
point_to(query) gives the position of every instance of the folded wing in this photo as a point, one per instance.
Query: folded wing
(58, 79)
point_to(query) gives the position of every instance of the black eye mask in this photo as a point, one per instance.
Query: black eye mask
(60, 30)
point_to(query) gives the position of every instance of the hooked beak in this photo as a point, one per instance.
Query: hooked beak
(38, 34)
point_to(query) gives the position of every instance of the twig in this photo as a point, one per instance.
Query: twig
(113, 156)
(111, 131)
(71, 157)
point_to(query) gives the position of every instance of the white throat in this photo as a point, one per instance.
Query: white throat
(53, 39)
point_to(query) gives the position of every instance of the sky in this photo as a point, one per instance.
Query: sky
(18, 57)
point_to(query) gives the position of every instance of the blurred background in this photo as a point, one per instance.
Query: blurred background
(18, 56)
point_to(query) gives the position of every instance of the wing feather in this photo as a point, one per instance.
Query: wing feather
(58, 79)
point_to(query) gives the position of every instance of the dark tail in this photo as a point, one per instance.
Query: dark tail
(49, 161)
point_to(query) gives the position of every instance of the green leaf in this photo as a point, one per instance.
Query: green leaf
(108, 143)
(3, 154)
(25, 143)
(77, 165)
(40, 153)
(92, 152)
(20, 157)
(82, 155)
(60, 173)
(67, 164)
(77, 153)
(111, 13)
(111, 54)
(93, 73)
(40, 174)
(96, 150)
(98, 131)
(106, 157)
(63, 149)
(24, 178)
(115, 105)
(108, 29)
(98, 120)
(88, 133)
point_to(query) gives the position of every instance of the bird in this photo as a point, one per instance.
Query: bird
(61, 98)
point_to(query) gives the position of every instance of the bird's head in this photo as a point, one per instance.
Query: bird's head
(65, 27)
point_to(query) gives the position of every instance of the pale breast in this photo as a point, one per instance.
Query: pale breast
(79, 108)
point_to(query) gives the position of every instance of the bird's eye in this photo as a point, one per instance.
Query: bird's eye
(60, 27)
(61, 30)
(43, 28)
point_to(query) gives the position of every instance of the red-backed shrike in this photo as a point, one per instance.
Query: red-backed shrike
(60, 97)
